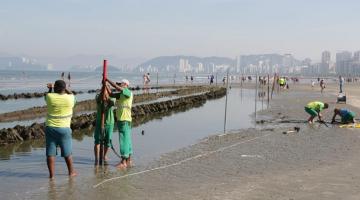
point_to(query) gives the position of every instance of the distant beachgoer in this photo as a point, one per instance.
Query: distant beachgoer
(282, 82)
(314, 108)
(224, 80)
(191, 78)
(211, 79)
(341, 83)
(108, 123)
(322, 85)
(58, 132)
(62, 75)
(346, 115)
(69, 78)
(312, 84)
(146, 80)
(124, 119)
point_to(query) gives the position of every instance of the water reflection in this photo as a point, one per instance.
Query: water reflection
(25, 148)
(162, 134)
(20, 149)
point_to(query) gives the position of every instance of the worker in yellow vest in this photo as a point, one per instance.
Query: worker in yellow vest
(314, 108)
(124, 101)
(282, 82)
(58, 132)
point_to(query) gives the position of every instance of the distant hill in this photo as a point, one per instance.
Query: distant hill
(172, 63)
(110, 68)
(20, 63)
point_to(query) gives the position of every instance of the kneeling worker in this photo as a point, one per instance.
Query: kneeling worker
(346, 115)
(314, 108)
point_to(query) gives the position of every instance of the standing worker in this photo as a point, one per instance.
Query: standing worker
(341, 83)
(108, 125)
(282, 82)
(346, 115)
(58, 132)
(314, 108)
(123, 114)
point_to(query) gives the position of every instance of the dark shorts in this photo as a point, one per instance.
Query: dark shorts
(108, 134)
(311, 112)
(61, 137)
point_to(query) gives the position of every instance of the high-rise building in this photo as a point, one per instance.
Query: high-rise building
(357, 56)
(343, 62)
(184, 65)
(325, 62)
(325, 57)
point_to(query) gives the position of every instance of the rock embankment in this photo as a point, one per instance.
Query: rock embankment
(90, 105)
(87, 121)
(29, 95)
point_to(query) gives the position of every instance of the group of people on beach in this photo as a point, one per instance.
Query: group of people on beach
(60, 102)
(314, 109)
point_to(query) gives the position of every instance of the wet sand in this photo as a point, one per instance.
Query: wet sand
(319, 162)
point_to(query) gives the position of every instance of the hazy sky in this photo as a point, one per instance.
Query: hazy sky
(151, 28)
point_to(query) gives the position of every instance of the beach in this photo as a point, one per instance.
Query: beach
(318, 162)
(258, 162)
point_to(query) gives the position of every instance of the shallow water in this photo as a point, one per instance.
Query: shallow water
(21, 104)
(24, 173)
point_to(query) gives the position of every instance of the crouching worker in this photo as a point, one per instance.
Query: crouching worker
(58, 132)
(314, 108)
(347, 116)
(123, 114)
(108, 123)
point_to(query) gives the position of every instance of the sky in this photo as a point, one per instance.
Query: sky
(150, 28)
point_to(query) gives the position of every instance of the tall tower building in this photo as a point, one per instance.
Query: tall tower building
(357, 56)
(343, 62)
(325, 62)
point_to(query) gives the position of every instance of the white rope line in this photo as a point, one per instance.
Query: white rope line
(180, 162)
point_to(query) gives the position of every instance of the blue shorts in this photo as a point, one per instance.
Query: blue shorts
(56, 136)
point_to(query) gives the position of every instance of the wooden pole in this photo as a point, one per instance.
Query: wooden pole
(102, 130)
(273, 86)
(226, 98)
(268, 89)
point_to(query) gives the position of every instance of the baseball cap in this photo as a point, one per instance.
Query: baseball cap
(125, 81)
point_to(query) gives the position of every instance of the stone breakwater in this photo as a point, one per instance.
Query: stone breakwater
(90, 105)
(140, 113)
(28, 95)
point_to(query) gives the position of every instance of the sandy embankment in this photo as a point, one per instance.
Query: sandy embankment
(319, 162)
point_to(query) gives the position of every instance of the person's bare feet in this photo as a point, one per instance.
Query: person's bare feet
(121, 165)
(73, 174)
(129, 164)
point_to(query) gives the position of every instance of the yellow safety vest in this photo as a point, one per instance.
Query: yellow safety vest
(123, 111)
(60, 109)
(316, 105)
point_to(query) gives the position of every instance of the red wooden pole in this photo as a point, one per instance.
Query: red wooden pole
(102, 140)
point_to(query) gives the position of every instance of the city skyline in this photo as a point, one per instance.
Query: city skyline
(146, 29)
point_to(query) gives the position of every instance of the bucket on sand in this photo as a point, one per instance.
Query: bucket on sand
(341, 98)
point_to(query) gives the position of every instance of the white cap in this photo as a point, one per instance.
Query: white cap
(125, 81)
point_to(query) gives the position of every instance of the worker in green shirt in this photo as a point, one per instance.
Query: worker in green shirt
(108, 123)
(314, 108)
(123, 114)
